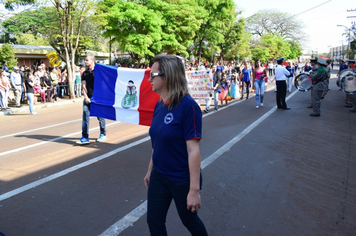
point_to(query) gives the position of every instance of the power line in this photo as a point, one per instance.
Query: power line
(310, 9)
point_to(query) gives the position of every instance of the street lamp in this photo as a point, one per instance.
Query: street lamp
(348, 40)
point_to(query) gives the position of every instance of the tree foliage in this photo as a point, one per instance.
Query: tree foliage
(236, 42)
(7, 54)
(145, 28)
(295, 49)
(11, 4)
(30, 21)
(270, 46)
(276, 23)
(220, 16)
(136, 28)
(30, 39)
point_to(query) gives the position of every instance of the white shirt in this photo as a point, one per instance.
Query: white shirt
(15, 78)
(270, 66)
(281, 73)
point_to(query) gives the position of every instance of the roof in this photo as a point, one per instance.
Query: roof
(26, 50)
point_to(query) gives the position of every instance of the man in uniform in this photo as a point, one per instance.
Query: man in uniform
(318, 79)
(88, 90)
(353, 96)
(281, 76)
(349, 97)
(328, 71)
(314, 70)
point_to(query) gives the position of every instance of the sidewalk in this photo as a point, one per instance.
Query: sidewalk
(25, 108)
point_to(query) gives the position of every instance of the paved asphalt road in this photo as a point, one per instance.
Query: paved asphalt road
(265, 172)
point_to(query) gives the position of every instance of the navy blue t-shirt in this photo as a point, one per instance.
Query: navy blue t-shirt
(343, 67)
(291, 71)
(169, 131)
(307, 68)
(219, 69)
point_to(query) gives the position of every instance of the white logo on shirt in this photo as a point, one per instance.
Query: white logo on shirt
(168, 118)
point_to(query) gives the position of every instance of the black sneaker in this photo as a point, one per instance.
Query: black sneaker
(206, 111)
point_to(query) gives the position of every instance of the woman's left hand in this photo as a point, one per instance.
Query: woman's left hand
(193, 201)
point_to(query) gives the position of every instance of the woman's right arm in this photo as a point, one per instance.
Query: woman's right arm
(146, 180)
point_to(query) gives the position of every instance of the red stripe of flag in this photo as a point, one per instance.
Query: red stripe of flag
(148, 100)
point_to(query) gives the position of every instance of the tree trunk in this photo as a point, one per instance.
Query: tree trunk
(200, 49)
(71, 76)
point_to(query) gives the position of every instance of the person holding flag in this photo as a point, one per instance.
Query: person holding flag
(88, 90)
(174, 168)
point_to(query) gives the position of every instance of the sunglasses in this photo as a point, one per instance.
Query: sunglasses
(156, 74)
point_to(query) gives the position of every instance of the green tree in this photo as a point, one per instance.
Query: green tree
(71, 15)
(220, 16)
(63, 30)
(7, 54)
(236, 42)
(34, 21)
(146, 28)
(276, 23)
(11, 4)
(30, 39)
(134, 27)
(182, 19)
(295, 49)
(270, 46)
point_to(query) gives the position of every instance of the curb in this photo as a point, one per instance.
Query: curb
(23, 109)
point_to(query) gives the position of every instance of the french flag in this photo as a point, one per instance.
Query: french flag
(123, 94)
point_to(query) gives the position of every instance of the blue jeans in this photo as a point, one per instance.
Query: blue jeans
(216, 101)
(31, 98)
(260, 90)
(290, 83)
(161, 191)
(86, 119)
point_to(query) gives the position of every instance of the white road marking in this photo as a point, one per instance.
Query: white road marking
(69, 170)
(46, 127)
(139, 211)
(48, 141)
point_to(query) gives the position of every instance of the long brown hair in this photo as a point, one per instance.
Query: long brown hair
(174, 76)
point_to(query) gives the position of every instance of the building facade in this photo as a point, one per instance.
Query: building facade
(28, 55)
(338, 53)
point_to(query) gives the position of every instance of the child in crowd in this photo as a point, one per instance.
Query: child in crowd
(224, 89)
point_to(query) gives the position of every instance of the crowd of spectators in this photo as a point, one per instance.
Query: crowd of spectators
(38, 82)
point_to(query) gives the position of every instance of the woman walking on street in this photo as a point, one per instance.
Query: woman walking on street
(259, 74)
(174, 168)
(245, 78)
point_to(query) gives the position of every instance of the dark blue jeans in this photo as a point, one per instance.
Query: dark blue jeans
(86, 118)
(161, 191)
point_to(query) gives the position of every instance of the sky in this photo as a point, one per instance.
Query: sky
(320, 23)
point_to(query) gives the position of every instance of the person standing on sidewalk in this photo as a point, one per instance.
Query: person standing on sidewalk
(174, 169)
(4, 89)
(88, 89)
(4, 67)
(15, 79)
(29, 84)
(281, 74)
